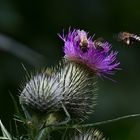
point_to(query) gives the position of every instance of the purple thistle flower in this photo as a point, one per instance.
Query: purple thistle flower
(97, 56)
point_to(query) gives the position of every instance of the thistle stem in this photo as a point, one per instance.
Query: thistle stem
(100, 123)
(67, 114)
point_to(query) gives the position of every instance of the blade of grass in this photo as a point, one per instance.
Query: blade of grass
(5, 132)
(18, 115)
(21, 51)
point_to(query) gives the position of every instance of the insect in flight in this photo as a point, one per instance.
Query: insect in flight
(128, 38)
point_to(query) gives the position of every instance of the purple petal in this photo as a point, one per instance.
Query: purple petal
(79, 47)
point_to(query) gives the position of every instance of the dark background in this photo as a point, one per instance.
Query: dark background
(36, 24)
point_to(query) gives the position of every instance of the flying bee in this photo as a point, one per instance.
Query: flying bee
(128, 38)
(99, 42)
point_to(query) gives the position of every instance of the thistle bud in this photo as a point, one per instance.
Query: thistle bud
(87, 135)
(71, 85)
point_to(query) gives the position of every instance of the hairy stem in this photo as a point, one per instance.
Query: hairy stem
(99, 123)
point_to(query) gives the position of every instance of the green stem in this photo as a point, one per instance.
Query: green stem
(99, 123)
(43, 135)
(38, 134)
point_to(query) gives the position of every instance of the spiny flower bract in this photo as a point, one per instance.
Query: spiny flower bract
(70, 84)
(89, 134)
(79, 47)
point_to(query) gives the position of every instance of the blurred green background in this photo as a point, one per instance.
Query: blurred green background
(36, 24)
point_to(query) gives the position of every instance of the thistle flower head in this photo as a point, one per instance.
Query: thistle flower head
(70, 85)
(80, 47)
(90, 134)
(40, 94)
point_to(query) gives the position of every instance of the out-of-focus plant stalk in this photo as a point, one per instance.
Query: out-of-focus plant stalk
(22, 51)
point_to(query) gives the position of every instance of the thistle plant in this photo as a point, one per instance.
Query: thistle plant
(89, 134)
(63, 97)
(80, 48)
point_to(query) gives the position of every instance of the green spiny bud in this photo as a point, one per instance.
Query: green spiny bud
(90, 134)
(70, 87)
